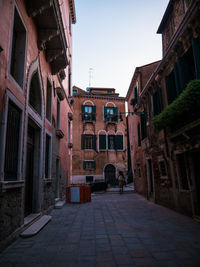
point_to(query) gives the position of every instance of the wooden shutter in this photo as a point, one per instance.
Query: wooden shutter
(115, 113)
(171, 87)
(94, 113)
(102, 142)
(82, 112)
(119, 142)
(83, 141)
(105, 112)
(196, 54)
(136, 94)
(84, 165)
(94, 141)
(94, 165)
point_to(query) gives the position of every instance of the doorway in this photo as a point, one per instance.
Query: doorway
(31, 198)
(109, 174)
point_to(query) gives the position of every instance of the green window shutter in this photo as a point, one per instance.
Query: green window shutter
(139, 135)
(105, 111)
(94, 113)
(196, 54)
(119, 142)
(176, 76)
(102, 142)
(170, 87)
(83, 141)
(183, 72)
(84, 165)
(94, 165)
(82, 112)
(94, 141)
(136, 94)
(115, 113)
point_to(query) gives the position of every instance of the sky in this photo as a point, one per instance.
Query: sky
(113, 37)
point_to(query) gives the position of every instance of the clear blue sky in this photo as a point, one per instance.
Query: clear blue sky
(114, 37)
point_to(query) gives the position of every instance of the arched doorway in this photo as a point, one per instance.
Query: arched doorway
(109, 174)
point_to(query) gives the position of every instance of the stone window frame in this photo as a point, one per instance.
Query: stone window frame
(161, 160)
(47, 119)
(19, 181)
(21, 88)
(49, 178)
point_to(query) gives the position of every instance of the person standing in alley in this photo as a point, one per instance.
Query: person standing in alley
(121, 180)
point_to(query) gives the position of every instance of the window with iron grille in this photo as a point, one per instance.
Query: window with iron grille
(89, 165)
(48, 100)
(12, 142)
(18, 49)
(47, 156)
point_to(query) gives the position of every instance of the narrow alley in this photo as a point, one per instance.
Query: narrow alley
(111, 230)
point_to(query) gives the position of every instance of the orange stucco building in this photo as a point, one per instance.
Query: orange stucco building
(99, 136)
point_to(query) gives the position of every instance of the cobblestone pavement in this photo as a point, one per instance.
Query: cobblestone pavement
(112, 230)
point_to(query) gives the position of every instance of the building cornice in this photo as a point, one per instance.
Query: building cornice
(72, 11)
(100, 97)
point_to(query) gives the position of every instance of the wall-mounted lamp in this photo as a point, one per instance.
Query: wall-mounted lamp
(1, 49)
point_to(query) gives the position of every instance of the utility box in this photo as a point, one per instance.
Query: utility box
(78, 194)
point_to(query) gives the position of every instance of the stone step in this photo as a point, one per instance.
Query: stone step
(36, 226)
(59, 204)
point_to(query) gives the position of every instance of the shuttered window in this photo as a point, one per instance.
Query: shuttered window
(89, 165)
(157, 102)
(88, 141)
(111, 142)
(119, 142)
(88, 113)
(12, 142)
(102, 142)
(171, 86)
(111, 114)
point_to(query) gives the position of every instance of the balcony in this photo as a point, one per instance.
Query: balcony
(88, 117)
(111, 118)
(59, 133)
(70, 145)
(51, 36)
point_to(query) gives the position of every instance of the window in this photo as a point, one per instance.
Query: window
(111, 141)
(12, 142)
(102, 142)
(119, 142)
(162, 168)
(157, 102)
(47, 156)
(88, 141)
(143, 121)
(69, 131)
(88, 113)
(171, 86)
(18, 50)
(89, 179)
(69, 80)
(139, 134)
(182, 168)
(89, 165)
(48, 101)
(109, 91)
(58, 115)
(35, 94)
(110, 114)
(74, 91)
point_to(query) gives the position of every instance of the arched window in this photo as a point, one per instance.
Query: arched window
(35, 94)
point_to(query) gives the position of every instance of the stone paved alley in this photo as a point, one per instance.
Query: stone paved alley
(112, 230)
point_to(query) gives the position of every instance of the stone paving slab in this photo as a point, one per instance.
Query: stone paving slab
(113, 230)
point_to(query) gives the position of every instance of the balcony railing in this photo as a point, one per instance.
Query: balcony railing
(88, 116)
(109, 118)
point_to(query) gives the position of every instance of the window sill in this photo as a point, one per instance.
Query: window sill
(4, 185)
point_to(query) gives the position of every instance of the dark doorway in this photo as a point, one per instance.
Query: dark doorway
(110, 177)
(196, 162)
(150, 178)
(29, 171)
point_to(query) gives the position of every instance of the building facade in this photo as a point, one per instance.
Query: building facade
(35, 92)
(99, 136)
(171, 99)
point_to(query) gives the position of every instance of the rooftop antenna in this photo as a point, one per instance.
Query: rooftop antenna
(90, 76)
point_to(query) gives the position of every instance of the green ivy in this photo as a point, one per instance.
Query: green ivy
(187, 104)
